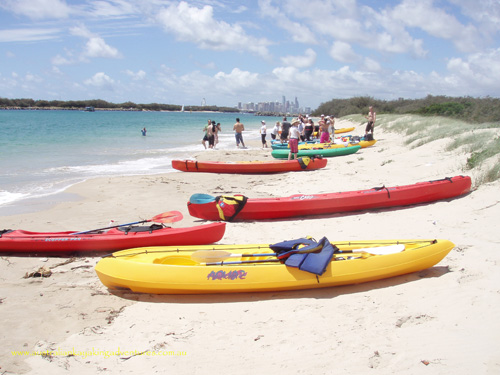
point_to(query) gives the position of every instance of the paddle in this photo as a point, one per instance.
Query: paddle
(166, 217)
(203, 256)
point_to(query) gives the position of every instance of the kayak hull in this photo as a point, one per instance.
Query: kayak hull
(344, 130)
(316, 146)
(331, 203)
(21, 241)
(172, 270)
(325, 152)
(253, 167)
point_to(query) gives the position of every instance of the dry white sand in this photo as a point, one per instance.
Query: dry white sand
(443, 320)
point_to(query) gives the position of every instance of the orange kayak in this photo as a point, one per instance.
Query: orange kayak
(250, 167)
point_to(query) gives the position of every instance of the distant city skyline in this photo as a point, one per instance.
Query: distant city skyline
(283, 106)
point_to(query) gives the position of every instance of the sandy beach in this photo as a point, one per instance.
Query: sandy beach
(443, 320)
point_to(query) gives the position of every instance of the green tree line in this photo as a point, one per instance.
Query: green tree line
(478, 110)
(102, 104)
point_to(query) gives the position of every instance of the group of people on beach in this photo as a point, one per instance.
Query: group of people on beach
(308, 130)
(211, 134)
(301, 128)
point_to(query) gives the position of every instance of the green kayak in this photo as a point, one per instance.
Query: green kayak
(325, 152)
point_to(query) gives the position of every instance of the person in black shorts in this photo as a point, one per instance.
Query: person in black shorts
(285, 129)
(371, 122)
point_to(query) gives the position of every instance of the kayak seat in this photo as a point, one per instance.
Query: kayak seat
(5, 231)
(141, 228)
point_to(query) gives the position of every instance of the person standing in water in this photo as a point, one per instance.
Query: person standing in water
(205, 136)
(238, 132)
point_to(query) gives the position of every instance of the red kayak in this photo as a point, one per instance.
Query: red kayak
(240, 208)
(250, 167)
(21, 241)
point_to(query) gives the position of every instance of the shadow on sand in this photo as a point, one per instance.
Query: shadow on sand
(319, 293)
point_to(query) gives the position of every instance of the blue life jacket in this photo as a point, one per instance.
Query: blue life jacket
(313, 257)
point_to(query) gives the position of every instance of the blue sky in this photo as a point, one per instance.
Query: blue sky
(179, 52)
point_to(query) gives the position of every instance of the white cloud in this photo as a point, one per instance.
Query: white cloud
(38, 9)
(388, 34)
(237, 78)
(192, 24)
(300, 33)
(348, 22)
(101, 80)
(81, 30)
(32, 78)
(371, 65)
(480, 69)
(485, 13)
(113, 8)
(95, 46)
(61, 60)
(436, 22)
(140, 75)
(304, 61)
(29, 35)
(343, 52)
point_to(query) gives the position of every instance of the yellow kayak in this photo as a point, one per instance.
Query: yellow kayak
(315, 146)
(344, 130)
(338, 131)
(256, 268)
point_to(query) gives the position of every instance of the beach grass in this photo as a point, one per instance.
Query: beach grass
(481, 142)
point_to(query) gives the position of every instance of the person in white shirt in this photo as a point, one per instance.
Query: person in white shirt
(263, 134)
(276, 130)
(293, 140)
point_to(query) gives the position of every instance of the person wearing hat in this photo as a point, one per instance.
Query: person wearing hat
(293, 142)
(263, 131)
(324, 127)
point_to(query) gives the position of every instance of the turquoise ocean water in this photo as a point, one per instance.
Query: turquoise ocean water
(44, 152)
